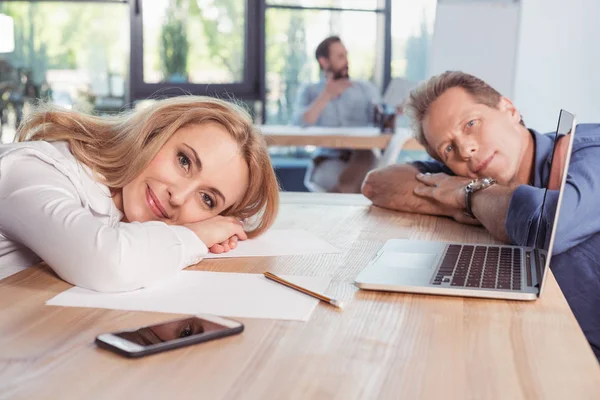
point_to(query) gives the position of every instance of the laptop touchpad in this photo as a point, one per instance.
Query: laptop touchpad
(408, 260)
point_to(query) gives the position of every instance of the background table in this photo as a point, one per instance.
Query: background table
(338, 137)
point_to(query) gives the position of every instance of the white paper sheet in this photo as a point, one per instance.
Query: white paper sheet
(218, 293)
(280, 242)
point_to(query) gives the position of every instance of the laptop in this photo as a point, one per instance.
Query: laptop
(474, 270)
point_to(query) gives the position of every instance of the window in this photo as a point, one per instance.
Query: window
(258, 51)
(198, 46)
(74, 54)
(294, 28)
(200, 43)
(412, 29)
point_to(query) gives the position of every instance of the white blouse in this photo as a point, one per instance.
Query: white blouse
(52, 209)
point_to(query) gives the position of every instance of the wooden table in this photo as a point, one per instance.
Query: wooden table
(382, 346)
(340, 138)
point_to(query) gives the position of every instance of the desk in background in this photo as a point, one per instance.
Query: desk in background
(343, 138)
(332, 137)
(291, 171)
(382, 346)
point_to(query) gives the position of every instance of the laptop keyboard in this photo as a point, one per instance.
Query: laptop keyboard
(487, 267)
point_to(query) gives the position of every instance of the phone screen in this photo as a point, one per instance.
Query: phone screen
(170, 331)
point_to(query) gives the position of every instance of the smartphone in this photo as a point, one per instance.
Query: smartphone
(168, 335)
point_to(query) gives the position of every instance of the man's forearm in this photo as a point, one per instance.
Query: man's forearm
(311, 115)
(490, 207)
(392, 187)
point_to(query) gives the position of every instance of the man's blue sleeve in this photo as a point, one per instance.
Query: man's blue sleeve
(523, 213)
(578, 218)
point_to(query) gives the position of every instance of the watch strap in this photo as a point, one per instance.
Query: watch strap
(472, 187)
(468, 192)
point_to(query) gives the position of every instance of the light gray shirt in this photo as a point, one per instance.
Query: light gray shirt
(354, 107)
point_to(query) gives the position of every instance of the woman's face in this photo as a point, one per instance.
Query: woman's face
(197, 174)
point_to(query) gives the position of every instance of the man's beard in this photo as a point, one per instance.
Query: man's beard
(340, 74)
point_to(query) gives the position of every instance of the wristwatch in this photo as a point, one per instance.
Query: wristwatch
(474, 186)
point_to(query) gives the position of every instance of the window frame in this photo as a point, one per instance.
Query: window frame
(247, 89)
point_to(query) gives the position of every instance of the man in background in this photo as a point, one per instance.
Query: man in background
(337, 101)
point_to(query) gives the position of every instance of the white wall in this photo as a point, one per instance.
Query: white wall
(477, 38)
(558, 61)
(543, 54)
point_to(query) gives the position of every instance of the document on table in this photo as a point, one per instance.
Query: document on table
(280, 242)
(203, 292)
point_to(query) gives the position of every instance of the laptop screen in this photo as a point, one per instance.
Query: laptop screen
(561, 153)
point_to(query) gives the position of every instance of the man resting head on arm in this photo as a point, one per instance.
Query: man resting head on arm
(474, 133)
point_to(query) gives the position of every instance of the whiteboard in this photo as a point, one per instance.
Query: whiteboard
(477, 38)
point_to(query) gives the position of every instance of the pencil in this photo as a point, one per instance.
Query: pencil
(333, 302)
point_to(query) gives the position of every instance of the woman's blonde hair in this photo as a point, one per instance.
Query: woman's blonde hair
(420, 99)
(118, 148)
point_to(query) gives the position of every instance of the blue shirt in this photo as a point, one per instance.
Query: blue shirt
(354, 107)
(576, 253)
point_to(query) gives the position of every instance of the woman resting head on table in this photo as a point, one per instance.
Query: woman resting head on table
(119, 203)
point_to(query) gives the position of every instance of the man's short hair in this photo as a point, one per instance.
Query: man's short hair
(420, 99)
(323, 47)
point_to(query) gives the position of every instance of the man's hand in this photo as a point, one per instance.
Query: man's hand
(220, 234)
(393, 187)
(449, 191)
(335, 87)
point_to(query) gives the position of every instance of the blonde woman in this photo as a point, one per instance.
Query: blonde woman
(120, 203)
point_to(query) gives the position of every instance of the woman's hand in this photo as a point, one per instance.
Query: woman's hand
(225, 246)
(220, 234)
